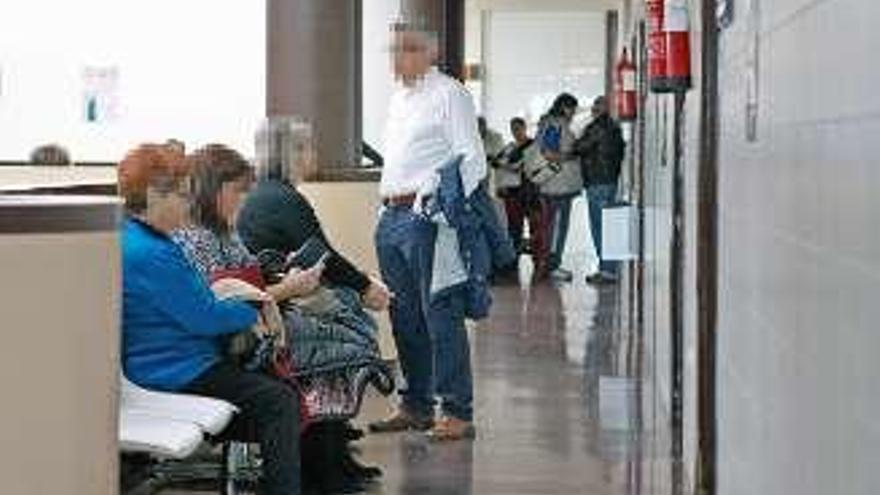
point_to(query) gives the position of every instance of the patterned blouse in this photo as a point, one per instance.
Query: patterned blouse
(336, 355)
(210, 252)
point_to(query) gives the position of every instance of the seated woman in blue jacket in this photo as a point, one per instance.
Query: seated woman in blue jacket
(174, 328)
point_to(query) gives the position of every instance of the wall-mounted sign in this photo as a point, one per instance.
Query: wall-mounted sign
(100, 94)
(724, 13)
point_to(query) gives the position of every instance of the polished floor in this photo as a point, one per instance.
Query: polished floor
(541, 427)
(559, 402)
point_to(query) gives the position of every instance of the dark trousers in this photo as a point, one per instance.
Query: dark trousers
(432, 341)
(515, 212)
(520, 206)
(599, 197)
(558, 213)
(270, 410)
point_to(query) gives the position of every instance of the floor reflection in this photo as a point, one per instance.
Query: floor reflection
(554, 403)
(430, 469)
(557, 406)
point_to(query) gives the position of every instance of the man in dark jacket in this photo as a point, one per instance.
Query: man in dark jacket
(601, 149)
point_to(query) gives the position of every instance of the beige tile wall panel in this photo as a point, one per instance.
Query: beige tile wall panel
(60, 300)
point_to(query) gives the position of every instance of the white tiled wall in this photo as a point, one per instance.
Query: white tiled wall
(800, 253)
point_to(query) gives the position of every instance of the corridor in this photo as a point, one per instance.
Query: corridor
(727, 149)
(556, 409)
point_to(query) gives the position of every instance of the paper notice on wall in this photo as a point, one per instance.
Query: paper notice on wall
(619, 237)
(100, 94)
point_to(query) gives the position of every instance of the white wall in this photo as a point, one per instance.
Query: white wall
(378, 81)
(799, 260)
(531, 57)
(193, 70)
(475, 8)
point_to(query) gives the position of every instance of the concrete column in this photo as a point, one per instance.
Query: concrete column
(446, 18)
(313, 71)
(612, 27)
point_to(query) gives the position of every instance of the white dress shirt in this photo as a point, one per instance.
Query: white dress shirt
(428, 124)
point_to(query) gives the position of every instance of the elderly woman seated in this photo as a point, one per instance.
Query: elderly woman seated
(330, 341)
(174, 328)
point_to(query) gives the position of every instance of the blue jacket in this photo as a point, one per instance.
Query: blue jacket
(172, 325)
(484, 244)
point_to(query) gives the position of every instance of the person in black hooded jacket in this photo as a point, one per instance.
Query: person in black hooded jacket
(600, 148)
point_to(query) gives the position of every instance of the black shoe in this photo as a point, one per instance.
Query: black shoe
(602, 278)
(354, 468)
(353, 434)
(342, 486)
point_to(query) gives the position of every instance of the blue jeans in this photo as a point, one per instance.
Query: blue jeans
(558, 216)
(432, 341)
(600, 196)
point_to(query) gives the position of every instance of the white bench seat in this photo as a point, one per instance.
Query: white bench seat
(168, 424)
(210, 415)
(139, 433)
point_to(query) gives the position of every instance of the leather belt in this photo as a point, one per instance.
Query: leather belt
(401, 200)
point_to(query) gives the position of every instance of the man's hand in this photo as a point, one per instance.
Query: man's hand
(377, 296)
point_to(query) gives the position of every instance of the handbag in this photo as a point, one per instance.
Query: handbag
(542, 170)
(250, 274)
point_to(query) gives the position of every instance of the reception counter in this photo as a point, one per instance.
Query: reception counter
(59, 362)
(57, 178)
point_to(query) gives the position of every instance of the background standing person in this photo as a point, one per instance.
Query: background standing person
(601, 148)
(493, 142)
(431, 121)
(519, 194)
(493, 145)
(556, 141)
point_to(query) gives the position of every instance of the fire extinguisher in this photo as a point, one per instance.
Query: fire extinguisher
(625, 88)
(669, 51)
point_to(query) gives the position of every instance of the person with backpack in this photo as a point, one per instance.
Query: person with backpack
(601, 149)
(559, 176)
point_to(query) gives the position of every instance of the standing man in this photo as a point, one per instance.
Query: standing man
(431, 120)
(601, 148)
